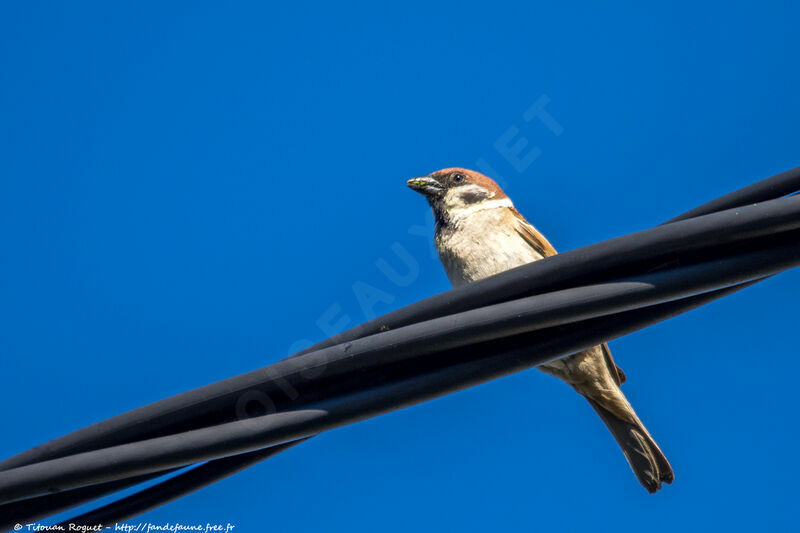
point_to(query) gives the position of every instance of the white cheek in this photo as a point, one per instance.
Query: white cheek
(456, 197)
(457, 214)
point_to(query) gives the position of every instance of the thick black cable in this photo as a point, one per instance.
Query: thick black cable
(448, 334)
(773, 189)
(646, 249)
(425, 387)
(29, 510)
(480, 363)
(770, 188)
(421, 386)
(173, 488)
(779, 185)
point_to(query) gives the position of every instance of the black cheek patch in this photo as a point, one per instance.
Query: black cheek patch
(473, 195)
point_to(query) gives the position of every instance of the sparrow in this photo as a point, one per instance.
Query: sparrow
(479, 233)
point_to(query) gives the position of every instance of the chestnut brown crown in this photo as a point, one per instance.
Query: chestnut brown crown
(440, 182)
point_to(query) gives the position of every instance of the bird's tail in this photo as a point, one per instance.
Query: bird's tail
(643, 454)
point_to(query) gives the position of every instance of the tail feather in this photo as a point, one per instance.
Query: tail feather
(643, 454)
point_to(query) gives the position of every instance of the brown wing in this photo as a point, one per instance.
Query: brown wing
(532, 236)
(541, 245)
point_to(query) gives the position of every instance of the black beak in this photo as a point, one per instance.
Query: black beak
(426, 185)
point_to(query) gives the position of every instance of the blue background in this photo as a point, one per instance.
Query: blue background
(186, 189)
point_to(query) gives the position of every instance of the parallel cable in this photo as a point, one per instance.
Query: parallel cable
(624, 256)
(459, 338)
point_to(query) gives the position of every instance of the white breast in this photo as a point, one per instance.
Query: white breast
(481, 243)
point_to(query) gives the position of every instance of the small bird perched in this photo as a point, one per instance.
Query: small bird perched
(479, 233)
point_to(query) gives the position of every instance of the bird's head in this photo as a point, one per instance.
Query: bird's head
(456, 188)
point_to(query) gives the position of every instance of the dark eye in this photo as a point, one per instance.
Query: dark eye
(458, 178)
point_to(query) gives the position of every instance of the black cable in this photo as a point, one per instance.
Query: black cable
(774, 187)
(779, 185)
(174, 488)
(634, 253)
(414, 347)
(759, 192)
(29, 510)
(422, 387)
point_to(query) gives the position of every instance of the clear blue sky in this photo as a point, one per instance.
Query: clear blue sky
(189, 189)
